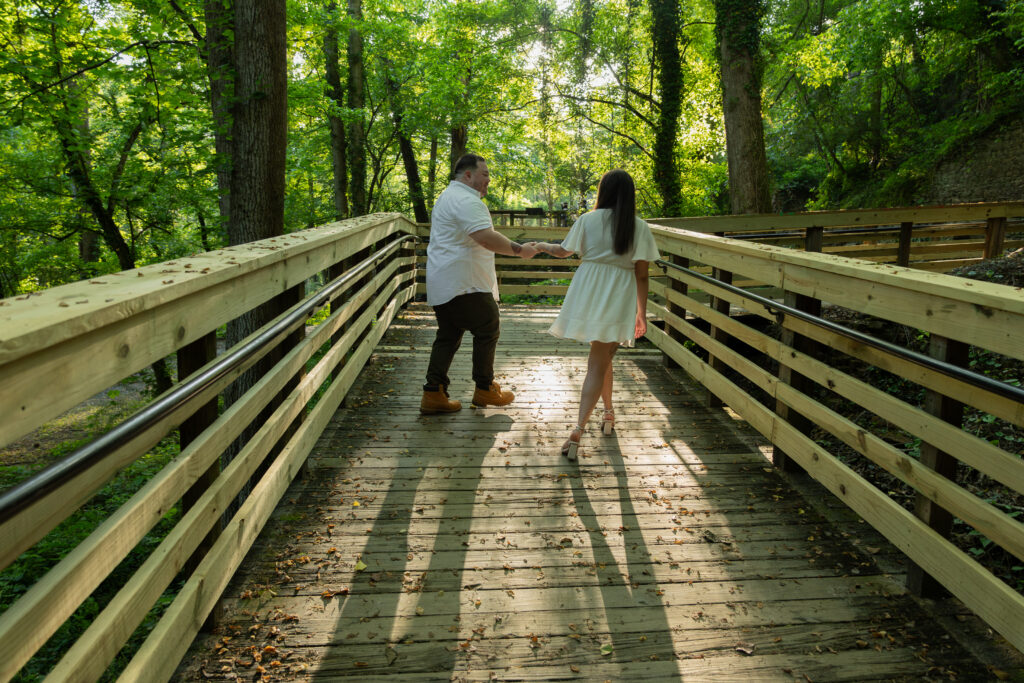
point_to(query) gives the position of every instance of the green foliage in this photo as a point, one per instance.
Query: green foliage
(16, 579)
(879, 93)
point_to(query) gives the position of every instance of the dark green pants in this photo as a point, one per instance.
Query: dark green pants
(476, 313)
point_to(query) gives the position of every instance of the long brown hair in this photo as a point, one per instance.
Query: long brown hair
(616, 191)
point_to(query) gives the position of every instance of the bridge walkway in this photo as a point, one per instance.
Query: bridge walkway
(463, 547)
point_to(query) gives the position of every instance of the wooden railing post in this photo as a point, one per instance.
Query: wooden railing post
(995, 235)
(719, 335)
(949, 410)
(683, 288)
(191, 357)
(903, 251)
(722, 306)
(813, 240)
(333, 273)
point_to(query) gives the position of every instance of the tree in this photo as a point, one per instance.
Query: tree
(339, 141)
(665, 35)
(356, 102)
(738, 24)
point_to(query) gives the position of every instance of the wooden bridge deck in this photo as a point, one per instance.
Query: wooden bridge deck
(463, 547)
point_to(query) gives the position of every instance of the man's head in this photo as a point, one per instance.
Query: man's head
(471, 169)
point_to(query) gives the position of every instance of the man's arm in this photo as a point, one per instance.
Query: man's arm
(492, 240)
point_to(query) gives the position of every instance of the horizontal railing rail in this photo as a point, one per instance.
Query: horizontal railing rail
(837, 418)
(365, 270)
(214, 378)
(780, 311)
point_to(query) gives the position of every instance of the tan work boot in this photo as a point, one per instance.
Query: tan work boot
(438, 402)
(493, 396)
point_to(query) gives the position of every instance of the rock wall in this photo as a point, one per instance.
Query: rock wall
(990, 170)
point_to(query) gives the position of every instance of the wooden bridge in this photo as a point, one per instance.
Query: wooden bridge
(379, 543)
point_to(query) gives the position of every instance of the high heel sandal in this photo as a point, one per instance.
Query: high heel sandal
(570, 447)
(608, 422)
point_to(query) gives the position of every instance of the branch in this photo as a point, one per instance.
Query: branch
(782, 90)
(613, 103)
(115, 179)
(142, 43)
(620, 134)
(189, 22)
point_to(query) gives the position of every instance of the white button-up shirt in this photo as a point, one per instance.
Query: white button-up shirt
(456, 264)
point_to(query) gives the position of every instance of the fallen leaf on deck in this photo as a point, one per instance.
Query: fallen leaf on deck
(606, 650)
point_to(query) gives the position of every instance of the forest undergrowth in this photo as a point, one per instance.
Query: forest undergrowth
(1007, 270)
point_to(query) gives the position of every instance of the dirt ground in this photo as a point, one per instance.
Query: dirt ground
(105, 408)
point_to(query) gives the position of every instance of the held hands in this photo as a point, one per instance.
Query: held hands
(528, 250)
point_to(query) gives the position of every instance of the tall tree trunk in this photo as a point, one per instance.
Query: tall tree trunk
(81, 178)
(432, 172)
(356, 130)
(339, 163)
(412, 171)
(219, 67)
(739, 39)
(460, 136)
(665, 34)
(204, 231)
(258, 140)
(88, 240)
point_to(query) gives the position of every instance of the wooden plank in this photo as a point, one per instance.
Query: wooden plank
(987, 315)
(131, 320)
(161, 651)
(845, 218)
(89, 656)
(34, 521)
(986, 595)
(976, 452)
(1004, 408)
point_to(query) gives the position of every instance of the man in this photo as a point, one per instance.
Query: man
(462, 286)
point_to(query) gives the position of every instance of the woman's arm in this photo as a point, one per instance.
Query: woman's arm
(641, 268)
(553, 249)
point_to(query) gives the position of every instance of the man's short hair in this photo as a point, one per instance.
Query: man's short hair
(467, 162)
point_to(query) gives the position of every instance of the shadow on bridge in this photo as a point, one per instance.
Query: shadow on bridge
(462, 547)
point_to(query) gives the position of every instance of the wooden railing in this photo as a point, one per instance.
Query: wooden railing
(777, 383)
(936, 239)
(63, 345)
(68, 343)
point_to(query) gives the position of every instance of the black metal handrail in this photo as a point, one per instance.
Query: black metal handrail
(781, 310)
(46, 481)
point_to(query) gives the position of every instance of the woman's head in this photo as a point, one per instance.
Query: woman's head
(617, 192)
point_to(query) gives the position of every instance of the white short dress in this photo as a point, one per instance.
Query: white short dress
(601, 302)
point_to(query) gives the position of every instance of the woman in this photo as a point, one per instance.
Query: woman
(606, 304)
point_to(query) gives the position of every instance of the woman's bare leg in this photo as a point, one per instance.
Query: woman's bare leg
(599, 370)
(606, 390)
(599, 365)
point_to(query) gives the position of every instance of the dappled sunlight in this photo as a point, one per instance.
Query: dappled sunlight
(452, 546)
